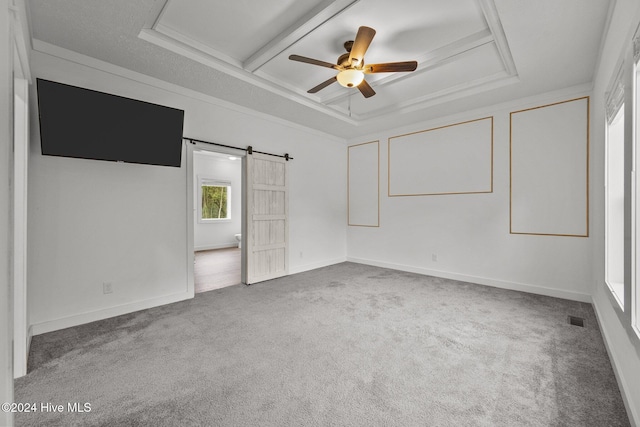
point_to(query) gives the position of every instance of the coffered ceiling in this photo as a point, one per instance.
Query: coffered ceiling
(469, 52)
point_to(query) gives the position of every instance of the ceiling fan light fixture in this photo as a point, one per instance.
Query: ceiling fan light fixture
(350, 77)
(351, 66)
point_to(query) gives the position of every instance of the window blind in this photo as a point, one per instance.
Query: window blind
(615, 97)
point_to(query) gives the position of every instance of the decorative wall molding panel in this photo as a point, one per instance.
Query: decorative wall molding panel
(550, 169)
(363, 177)
(453, 159)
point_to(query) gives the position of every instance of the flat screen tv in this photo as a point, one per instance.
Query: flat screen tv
(83, 123)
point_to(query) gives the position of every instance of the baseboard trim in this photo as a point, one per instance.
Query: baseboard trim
(105, 313)
(514, 286)
(220, 246)
(632, 413)
(314, 265)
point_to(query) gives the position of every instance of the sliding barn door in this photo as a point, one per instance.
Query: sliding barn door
(267, 218)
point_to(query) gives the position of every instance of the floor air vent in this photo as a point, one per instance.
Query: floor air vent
(576, 321)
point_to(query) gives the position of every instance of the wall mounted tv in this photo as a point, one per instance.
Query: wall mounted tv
(83, 123)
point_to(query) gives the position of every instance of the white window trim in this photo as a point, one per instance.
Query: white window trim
(635, 208)
(615, 101)
(211, 180)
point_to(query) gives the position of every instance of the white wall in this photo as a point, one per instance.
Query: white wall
(468, 234)
(6, 136)
(93, 221)
(218, 234)
(624, 348)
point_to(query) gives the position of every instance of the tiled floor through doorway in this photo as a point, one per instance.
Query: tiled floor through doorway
(216, 269)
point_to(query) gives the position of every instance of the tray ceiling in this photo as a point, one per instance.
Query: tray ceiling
(470, 53)
(460, 46)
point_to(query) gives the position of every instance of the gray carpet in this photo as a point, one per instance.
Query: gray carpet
(345, 345)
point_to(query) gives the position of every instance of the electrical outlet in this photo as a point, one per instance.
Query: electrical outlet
(434, 257)
(107, 288)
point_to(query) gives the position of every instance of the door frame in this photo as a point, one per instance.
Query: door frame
(192, 209)
(19, 191)
(21, 334)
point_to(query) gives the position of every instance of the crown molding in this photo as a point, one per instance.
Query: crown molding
(106, 67)
(182, 46)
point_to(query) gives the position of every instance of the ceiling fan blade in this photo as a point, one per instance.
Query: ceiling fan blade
(366, 90)
(360, 45)
(313, 61)
(322, 85)
(390, 67)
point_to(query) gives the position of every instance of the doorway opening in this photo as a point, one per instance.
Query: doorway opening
(217, 179)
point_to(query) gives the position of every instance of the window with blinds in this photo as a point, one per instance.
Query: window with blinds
(614, 189)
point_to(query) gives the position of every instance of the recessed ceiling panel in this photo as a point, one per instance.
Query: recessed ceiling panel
(441, 79)
(454, 43)
(555, 44)
(235, 28)
(404, 31)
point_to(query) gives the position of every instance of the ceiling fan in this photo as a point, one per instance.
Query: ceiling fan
(351, 65)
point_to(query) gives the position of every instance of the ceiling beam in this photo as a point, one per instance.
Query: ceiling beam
(155, 14)
(322, 13)
(495, 25)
